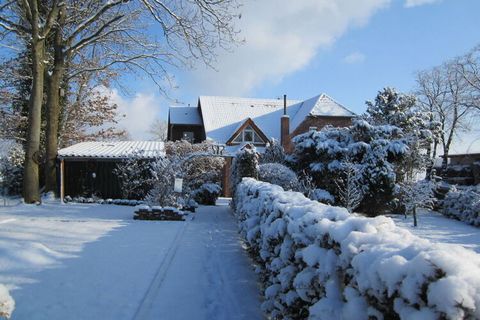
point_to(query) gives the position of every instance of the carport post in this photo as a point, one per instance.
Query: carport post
(62, 179)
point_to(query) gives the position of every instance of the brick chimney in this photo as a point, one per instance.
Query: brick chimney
(285, 126)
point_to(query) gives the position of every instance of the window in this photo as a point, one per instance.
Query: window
(248, 135)
(188, 136)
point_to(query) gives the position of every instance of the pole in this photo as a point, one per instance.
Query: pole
(62, 180)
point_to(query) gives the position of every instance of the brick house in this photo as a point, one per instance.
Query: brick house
(235, 122)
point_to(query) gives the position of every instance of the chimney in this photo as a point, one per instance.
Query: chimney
(285, 126)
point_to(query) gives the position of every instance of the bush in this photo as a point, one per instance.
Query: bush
(274, 153)
(463, 205)
(135, 176)
(322, 196)
(320, 262)
(207, 194)
(278, 174)
(372, 150)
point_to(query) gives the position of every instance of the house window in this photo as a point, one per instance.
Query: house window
(188, 136)
(248, 135)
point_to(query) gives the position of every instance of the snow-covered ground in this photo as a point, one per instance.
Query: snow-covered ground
(438, 228)
(84, 261)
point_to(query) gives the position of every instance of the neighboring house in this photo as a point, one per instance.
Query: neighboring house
(235, 122)
(185, 123)
(86, 168)
(462, 169)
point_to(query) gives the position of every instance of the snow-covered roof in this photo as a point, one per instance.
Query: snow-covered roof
(223, 115)
(113, 149)
(184, 115)
(321, 105)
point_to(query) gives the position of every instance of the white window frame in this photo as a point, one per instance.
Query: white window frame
(254, 135)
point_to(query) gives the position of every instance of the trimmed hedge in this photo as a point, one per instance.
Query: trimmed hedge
(320, 262)
(463, 205)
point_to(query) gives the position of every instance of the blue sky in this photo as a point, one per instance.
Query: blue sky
(348, 49)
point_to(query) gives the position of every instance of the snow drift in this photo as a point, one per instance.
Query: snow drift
(318, 261)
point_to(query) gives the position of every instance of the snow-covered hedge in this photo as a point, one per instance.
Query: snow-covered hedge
(463, 205)
(320, 262)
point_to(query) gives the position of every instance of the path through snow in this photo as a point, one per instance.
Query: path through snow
(94, 262)
(207, 277)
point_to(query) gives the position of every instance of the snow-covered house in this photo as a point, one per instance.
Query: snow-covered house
(237, 121)
(86, 168)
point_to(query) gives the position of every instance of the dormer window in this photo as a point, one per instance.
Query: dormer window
(248, 135)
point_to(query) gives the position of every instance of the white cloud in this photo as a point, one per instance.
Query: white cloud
(354, 57)
(416, 3)
(282, 36)
(140, 111)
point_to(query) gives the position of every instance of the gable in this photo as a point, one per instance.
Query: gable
(248, 132)
(184, 116)
(321, 105)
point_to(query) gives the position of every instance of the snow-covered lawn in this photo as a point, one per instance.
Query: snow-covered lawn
(80, 261)
(438, 228)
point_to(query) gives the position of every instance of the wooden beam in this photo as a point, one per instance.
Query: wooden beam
(62, 179)
(227, 192)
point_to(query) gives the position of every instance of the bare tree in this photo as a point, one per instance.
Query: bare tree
(444, 92)
(32, 21)
(469, 67)
(158, 130)
(97, 35)
(114, 32)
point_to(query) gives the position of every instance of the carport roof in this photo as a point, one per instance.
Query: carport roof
(114, 150)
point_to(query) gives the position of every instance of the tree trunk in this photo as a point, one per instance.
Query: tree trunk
(31, 185)
(415, 216)
(55, 81)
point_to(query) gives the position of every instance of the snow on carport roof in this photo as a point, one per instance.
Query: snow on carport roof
(184, 115)
(113, 149)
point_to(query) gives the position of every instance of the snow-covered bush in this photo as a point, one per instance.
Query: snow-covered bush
(278, 174)
(463, 205)
(207, 194)
(134, 175)
(245, 164)
(119, 202)
(320, 262)
(349, 186)
(322, 196)
(197, 166)
(373, 150)
(274, 153)
(393, 108)
(11, 168)
(414, 195)
(7, 304)
(162, 194)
